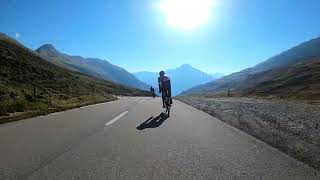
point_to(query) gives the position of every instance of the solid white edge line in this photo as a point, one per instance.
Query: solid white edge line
(116, 118)
(141, 101)
(55, 113)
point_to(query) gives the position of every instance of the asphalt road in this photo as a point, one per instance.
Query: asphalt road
(130, 139)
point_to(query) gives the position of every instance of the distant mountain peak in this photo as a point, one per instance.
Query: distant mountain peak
(48, 49)
(184, 66)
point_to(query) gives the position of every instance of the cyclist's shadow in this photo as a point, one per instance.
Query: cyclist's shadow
(153, 122)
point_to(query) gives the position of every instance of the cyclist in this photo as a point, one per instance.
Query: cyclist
(152, 92)
(164, 86)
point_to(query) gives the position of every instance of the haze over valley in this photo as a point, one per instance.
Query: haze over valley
(183, 77)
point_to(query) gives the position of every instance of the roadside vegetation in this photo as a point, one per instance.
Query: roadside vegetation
(16, 103)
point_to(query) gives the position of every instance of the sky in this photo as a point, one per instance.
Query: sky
(220, 36)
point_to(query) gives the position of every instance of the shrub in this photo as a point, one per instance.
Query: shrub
(19, 105)
(3, 110)
(13, 95)
(10, 108)
(63, 96)
(29, 97)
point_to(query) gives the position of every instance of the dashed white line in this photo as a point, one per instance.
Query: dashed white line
(141, 101)
(116, 118)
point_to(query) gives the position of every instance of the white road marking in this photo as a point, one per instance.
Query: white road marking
(56, 113)
(92, 105)
(116, 118)
(141, 101)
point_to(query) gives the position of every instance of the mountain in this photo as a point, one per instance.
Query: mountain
(91, 66)
(247, 80)
(28, 82)
(148, 77)
(217, 75)
(182, 78)
(299, 81)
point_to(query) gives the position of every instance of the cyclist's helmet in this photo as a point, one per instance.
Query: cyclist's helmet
(161, 73)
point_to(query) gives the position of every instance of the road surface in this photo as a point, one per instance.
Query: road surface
(130, 139)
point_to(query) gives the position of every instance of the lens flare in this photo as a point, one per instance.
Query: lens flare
(186, 14)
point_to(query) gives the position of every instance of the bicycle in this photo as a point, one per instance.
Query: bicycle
(167, 103)
(153, 94)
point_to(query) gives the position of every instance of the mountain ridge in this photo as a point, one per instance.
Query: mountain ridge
(92, 66)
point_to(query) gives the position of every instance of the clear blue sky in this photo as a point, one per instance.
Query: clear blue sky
(134, 33)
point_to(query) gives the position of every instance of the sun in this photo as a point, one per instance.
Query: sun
(186, 14)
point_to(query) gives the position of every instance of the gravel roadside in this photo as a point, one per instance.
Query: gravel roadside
(293, 127)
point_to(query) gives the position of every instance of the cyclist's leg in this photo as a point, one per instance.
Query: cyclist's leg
(169, 95)
(163, 96)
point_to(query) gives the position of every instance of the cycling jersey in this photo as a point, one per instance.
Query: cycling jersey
(164, 83)
(165, 87)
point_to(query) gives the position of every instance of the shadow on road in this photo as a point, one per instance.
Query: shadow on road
(153, 122)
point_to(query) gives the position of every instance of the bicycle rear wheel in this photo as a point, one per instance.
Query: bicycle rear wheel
(168, 110)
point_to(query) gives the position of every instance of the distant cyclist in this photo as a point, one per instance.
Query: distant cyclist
(152, 92)
(164, 86)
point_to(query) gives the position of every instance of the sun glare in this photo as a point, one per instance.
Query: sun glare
(186, 14)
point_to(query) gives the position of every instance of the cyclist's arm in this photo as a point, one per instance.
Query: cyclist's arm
(159, 85)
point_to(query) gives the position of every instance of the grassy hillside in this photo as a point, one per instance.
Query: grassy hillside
(283, 75)
(298, 81)
(24, 72)
(91, 66)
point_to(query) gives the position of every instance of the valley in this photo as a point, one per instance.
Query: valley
(182, 78)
